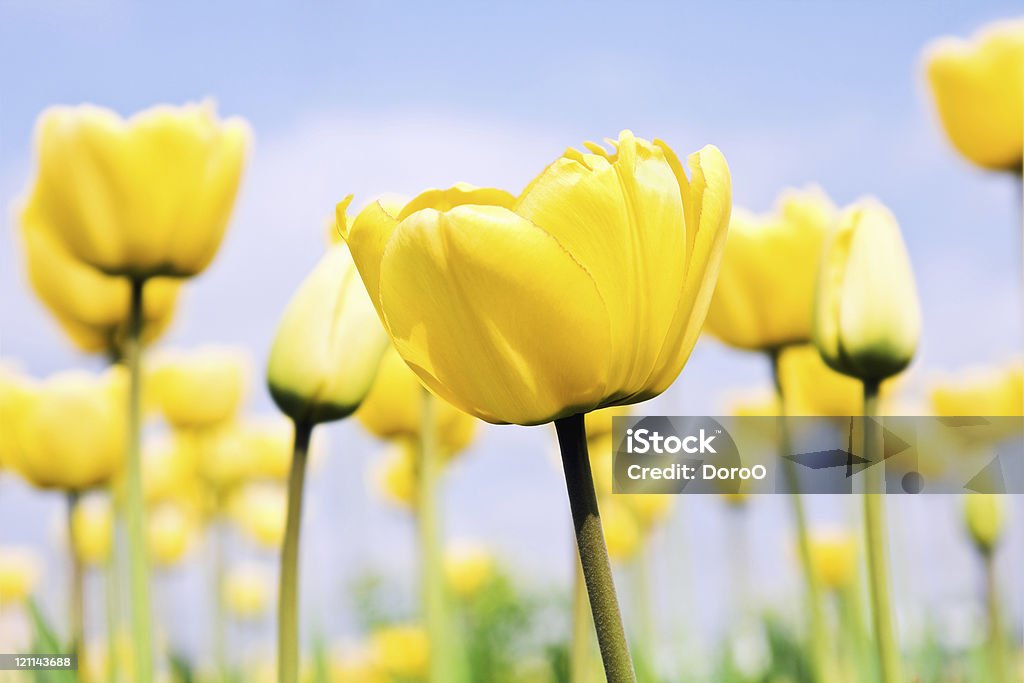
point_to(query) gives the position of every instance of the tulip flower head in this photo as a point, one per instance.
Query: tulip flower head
(92, 530)
(996, 391)
(171, 528)
(588, 290)
(402, 650)
(764, 298)
(71, 430)
(395, 475)
(622, 533)
(142, 197)
(985, 516)
(259, 511)
(393, 409)
(468, 567)
(978, 87)
(199, 389)
(834, 558)
(90, 306)
(867, 317)
(246, 591)
(329, 344)
(812, 388)
(15, 391)
(20, 570)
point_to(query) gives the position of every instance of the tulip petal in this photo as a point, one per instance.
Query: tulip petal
(707, 199)
(621, 216)
(367, 236)
(495, 315)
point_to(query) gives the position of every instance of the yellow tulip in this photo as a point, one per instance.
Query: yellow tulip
(259, 512)
(982, 391)
(978, 87)
(198, 389)
(468, 567)
(810, 387)
(764, 298)
(91, 307)
(270, 441)
(15, 391)
(92, 530)
(170, 470)
(392, 409)
(20, 570)
(357, 664)
(71, 433)
(328, 345)
(867, 318)
(224, 456)
(648, 508)
(834, 558)
(247, 591)
(622, 534)
(171, 528)
(985, 515)
(142, 197)
(395, 474)
(586, 291)
(599, 422)
(402, 650)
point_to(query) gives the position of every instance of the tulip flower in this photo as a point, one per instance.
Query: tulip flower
(170, 531)
(139, 198)
(586, 291)
(867, 317)
(92, 530)
(246, 592)
(402, 651)
(834, 555)
(866, 325)
(322, 364)
(71, 431)
(357, 664)
(993, 391)
(812, 388)
(15, 391)
(985, 519)
(260, 510)
(978, 88)
(392, 409)
(20, 570)
(91, 307)
(468, 567)
(198, 389)
(764, 298)
(395, 474)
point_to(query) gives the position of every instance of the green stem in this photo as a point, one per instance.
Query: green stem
(113, 612)
(815, 611)
(76, 592)
(141, 617)
(219, 617)
(645, 617)
(996, 634)
(874, 529)
(582, 629)
(597, 571)
(856, 647)
(432, 587)
(288, 590)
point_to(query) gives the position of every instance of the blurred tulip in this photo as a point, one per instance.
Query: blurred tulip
(758, 304)
(171, 529)
(15, 391)
(247, 591)
(170, 471)
(995, 391)
(649, 509)
(71, 431)
(224, 457)
(198, 389)
(834, 556)
(812, 388)
(91, 307)
(393, 409)
(395, 474)
(978, 87)
(20, 570)
(486, 296)
(468, 567)
(402, 651)
(599, 422)
(357, 664)
(621, 531)
(985, 516)
(259, 511)
(867, 317)
(328, 346)
(270, 441)
(142, 197)
(92, 530)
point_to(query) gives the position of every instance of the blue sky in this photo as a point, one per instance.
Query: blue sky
(386, 96)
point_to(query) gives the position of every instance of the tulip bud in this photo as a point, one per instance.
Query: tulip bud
(329, 344)
(170, 530)
(867, 317)
(985, 516)
(834, 558)
(92, 530)
(198, 389)
(19, 573)
(467, 568)
(402, 650)
(259, 510)
(246, 592)
(71, 430)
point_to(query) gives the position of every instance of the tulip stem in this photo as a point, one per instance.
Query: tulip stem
(216, 539)
(875, 539)
(996, 635)
(432, 587)
(582, 628)
(288, 592)
(76, 604)
(135, 509)
(815, 611)
(597, 571)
